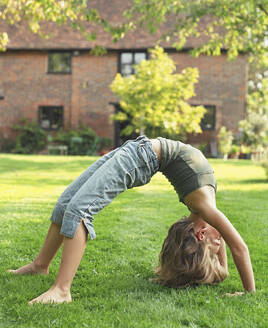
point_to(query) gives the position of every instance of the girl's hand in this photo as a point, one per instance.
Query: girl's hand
(234, 294)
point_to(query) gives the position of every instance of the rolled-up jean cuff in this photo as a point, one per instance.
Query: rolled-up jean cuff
(70, 223)
(58, 214)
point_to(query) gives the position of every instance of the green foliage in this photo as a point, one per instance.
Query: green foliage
(3, 41)
(257, 100)
(30, 139)
(105, 143)
(239, 25)
(235, 149)
(83, 141)
(236, 25)
(265, 166)
(225, 138)
(76, 14)
(6, 145)
(254, 131)
(155, 98)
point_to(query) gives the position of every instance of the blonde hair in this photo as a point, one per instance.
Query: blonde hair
(186, 261)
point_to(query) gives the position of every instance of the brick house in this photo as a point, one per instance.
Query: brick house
(58, 83)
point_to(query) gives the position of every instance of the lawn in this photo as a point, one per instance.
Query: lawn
(112, 287)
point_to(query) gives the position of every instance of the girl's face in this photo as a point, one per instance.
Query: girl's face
(214, 238)
(205, 231)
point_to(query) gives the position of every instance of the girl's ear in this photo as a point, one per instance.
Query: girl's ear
(200, 234)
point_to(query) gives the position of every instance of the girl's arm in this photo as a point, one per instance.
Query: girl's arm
(236, 244)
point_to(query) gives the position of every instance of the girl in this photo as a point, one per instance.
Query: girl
(194, 250)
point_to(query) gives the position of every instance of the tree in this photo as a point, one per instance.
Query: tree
(240, 25)
(155, 98)
(225, 142)
(254, 129)
(258, 98)
(77, 14)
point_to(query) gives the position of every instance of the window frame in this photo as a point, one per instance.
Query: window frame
(214, 116)
(40, 108)
(213, 128)
(132, 52)
(49, 71)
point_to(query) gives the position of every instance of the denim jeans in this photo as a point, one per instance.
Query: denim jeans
(128, 166)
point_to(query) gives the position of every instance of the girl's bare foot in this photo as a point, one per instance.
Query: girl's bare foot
(31, 268)
(53, 295)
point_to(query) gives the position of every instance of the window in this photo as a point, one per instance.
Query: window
(121, 125)
(51, 117)
(59, 62)
(1, 94)
(208, 121)
(128, 59)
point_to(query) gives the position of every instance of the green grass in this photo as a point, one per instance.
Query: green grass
(112, 288)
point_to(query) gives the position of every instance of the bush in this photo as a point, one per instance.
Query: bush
(264, 164)
(105, 143)
(7, 145)
(83, 141)
(225, 138)
(31, 138)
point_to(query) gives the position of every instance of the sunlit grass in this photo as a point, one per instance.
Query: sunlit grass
(112, 287)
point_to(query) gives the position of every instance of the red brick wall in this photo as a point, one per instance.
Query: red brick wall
(221, 83)
(85, 94)
(91, 94)
(26, 86)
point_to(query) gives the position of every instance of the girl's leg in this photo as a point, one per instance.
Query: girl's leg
(72, 189)
(111, 178)
(73, 250)
(125, 169)
(41, 262)
(54, 238)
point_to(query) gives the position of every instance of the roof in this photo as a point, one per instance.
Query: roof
(64, 37)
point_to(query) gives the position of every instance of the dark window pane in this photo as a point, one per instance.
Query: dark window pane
(51, 118)
(209, 119)
(59, 62)
(44, 118)
(1, 94)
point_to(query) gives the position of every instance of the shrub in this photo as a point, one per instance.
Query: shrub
(30, 139)
(83, 141)
(264, 164)
(225, 141)
(7, 145)
(235, 151)
(105, 143)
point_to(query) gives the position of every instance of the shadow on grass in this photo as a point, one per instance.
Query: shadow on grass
(239, 181)
(253, 181)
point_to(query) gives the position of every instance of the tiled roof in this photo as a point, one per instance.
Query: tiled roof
(65, 38)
